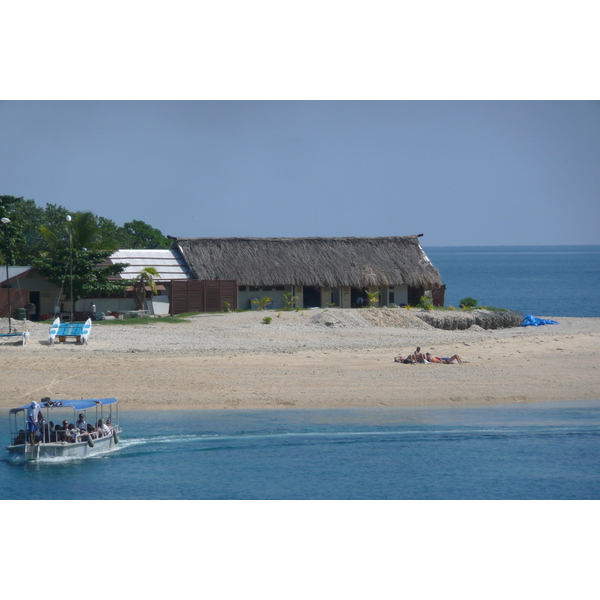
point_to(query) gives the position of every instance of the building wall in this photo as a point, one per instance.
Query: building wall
(388, 296)
(249, 293)
(49, 293)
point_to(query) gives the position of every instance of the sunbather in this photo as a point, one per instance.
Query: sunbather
(418, 356)
(446, 360)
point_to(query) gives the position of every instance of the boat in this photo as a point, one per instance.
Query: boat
(50, 442)
(79, 331)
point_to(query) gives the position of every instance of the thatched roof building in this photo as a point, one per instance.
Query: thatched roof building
(318, 270)
(317, 261)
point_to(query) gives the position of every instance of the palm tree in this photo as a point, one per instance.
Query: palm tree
(260, 304)
(289, 300)
(372, 297)
(81, 231)
(146, 278)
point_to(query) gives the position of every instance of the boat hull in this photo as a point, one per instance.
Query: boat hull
(64, 449)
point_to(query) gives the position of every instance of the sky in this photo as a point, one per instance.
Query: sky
(460, 172)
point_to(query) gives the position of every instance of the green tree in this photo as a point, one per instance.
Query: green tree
(79, 231)
(142, 235)
(78, 239)
(146, 278)
(16, 249)
(89, 279)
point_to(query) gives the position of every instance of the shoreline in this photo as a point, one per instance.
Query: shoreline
(306, 360)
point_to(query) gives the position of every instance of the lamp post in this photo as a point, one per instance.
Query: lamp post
(71, 262)
(6, 221)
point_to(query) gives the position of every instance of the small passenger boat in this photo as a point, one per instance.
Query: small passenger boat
(60, 429)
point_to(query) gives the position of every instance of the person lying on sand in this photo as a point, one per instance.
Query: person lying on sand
(401, 359)
(446, 361)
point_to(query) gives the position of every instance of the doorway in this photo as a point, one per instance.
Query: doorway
(34, 306)
(312, 296)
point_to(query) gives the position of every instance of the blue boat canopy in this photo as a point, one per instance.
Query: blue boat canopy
(74, 404)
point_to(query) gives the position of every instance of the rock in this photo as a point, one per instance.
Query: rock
(485, 319)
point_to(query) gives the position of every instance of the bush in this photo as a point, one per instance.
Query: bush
(469, 303)
(267, 320)
(426, 303)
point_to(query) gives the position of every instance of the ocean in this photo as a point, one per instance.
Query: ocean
(532, 451)
(559, 281)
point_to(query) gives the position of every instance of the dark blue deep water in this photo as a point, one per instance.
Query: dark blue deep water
(559, 281)
(534, 451)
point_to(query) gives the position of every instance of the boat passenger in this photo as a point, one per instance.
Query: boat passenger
(102, 429)
(71, 433)
(81, 424)
(33, 419)
(61, 431)
(92, 431)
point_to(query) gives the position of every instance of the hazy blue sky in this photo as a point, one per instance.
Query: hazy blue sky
(462, 173)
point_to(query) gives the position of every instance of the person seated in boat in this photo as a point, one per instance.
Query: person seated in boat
(92, 431)
(102, 428)
(51, 435)
(20, 439)
(81, 424)
(61, 431)
(71, 433)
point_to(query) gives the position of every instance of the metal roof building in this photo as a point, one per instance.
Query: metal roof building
(169, 263)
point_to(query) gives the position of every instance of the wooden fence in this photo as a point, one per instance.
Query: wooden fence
(202, 295)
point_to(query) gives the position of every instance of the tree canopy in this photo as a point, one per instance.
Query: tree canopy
(34, 230)
(45, 237)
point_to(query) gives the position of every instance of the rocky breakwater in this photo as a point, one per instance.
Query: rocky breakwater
(486, 319)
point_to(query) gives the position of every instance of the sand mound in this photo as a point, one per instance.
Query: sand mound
(376, 317)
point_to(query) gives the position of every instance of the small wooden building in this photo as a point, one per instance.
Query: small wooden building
(319, 271)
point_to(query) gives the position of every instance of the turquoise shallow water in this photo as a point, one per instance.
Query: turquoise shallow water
(535, 451)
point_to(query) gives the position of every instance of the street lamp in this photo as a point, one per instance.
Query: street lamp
(6, 221)
(71, 261)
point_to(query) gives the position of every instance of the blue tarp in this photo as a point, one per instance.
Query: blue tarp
(535, 321)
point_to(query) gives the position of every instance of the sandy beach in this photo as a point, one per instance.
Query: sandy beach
(306, 359)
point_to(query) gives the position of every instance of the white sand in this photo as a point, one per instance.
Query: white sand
(305, 359)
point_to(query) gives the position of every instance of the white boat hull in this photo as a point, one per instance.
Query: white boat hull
(64, 449)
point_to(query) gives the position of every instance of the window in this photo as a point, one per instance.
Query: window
(241, 288)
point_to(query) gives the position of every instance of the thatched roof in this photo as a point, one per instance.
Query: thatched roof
(322, 262)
